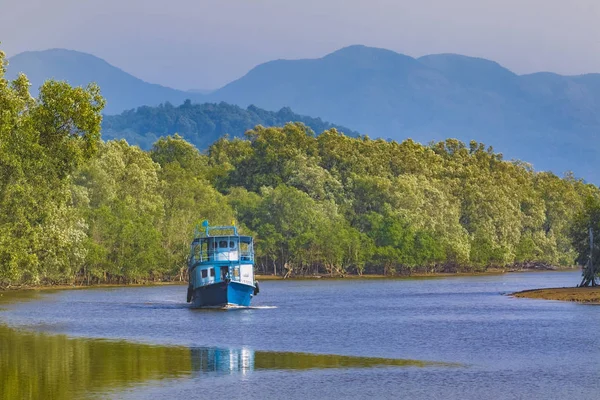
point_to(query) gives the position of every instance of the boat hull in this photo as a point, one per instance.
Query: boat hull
(222, 294)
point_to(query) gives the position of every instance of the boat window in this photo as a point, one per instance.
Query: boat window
(212, 272)
(204, 273)
(223, 244)
(231, 244)
(224, 272)
(236, 272)
(204, 249)
(197, 249)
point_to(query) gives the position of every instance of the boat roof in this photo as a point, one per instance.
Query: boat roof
(243, 239)
(209, 231)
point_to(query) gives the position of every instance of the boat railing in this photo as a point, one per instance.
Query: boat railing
(212, 255)
(246, 256)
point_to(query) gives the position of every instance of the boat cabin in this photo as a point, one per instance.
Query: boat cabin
(222, 248)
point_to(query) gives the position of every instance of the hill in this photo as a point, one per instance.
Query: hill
(200, 124)
(549, 120)
(121, 90)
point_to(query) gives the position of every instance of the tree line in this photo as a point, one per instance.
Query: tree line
(75, 209)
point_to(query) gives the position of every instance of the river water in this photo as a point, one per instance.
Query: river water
(450, 338)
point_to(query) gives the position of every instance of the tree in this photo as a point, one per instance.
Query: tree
(124, 214)
(585, 228)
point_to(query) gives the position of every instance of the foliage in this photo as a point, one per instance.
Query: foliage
(336, 204)
(42, 143)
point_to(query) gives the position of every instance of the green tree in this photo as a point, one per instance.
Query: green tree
(42, 143)
(588, 220)
(124, 213)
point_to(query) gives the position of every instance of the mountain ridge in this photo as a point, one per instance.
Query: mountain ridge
(121, 89)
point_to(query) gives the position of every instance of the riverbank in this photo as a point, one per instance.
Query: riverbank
(587, 295)
(432, 275)
(259, 277)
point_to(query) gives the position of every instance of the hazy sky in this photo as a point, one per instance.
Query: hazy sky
(207, 43)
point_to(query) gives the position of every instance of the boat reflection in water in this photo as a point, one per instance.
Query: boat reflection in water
(228, 361)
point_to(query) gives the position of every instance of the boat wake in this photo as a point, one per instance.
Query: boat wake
(262, 307)
(236, 307)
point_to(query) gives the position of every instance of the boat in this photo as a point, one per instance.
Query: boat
(221, 268)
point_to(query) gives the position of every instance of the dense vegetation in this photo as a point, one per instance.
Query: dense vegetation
(76, 209)
(337, 204)
(199, 124)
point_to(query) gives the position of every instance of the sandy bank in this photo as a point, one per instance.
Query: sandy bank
(588, 295)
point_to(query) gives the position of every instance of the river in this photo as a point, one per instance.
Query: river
(450, 338)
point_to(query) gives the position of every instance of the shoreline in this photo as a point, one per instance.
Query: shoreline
(582, 295)
(365, 277)
(418, 275)
(259, 277)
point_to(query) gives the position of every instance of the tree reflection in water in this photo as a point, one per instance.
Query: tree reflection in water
(35, 365)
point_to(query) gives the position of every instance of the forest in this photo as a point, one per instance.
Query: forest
(199, 124)
(78, 210)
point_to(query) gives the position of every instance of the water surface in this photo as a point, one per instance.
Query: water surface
(437, 338)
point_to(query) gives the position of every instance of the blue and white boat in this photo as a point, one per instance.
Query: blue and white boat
(221, 268)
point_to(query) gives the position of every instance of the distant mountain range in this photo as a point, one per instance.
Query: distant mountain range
(200, 124)
(550, 120)
(121, 90)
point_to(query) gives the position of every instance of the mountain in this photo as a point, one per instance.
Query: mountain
(200, 124)
(121, 90)
(549, 120)
(201, 91)
(354, 83)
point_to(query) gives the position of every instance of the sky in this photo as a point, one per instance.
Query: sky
(204, 44)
